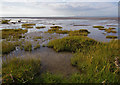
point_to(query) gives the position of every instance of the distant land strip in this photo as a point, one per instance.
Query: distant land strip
(94, 18)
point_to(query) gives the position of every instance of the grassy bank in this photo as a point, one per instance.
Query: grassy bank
(72, 43)
(12, 33)
(40, 27)
(57, 29)
(95, 60)
(5, 21)
(98, 64)
(7, 47)
(18, 70)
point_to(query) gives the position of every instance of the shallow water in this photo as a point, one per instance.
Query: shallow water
(51, 61)
(68, 24)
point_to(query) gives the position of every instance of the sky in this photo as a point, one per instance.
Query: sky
(58, 8)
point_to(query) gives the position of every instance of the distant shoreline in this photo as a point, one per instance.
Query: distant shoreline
(91, 18)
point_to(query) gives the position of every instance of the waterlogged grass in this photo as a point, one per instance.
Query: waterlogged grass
(102, 28)
(72, 43)
(29, 25)
(97, 63)
(81, 32)
(95, 60)
(40, 27)
(38, 37)
(7, 47)
(18, 70)
(57, 30)
(37, 46)
(110, 30)
(5, 21)
(52, 30)
(27, 46)
(13, 33)
(56, 27)
(50, 78)
(111, 37)
(62, 31)
(98, 26)
(81, 25)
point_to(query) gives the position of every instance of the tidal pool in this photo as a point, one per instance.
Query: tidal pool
(68, 24)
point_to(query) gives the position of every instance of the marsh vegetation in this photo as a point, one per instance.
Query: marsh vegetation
(27, 25)
(19, 70)
(95, 61)
(39, 27)
(5, 21)
(111, 37)
(80, 32)
(12, 33)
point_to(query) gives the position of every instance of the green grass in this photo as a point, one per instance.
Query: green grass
(97, 64)
(52, 30)
(38, 37)
(98, 26)
(5, 21)
(111, 37)
(7, 47)
(28, 25)
(43, 45)
(50, 78)
(62, 31)
(37, 46)
(81, 32)
(95, 60)
(110, 30)
(15, 33)
(39, 27)
(18, 70)
(71, 43)
(27, 46)
(57, 30)
(56, 27)
(102, 28)
(114, 31)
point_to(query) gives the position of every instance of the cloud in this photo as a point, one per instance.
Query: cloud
(59, 9)
(60, 0)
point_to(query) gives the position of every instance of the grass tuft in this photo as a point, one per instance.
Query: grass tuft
(13, 33)
(98, 26)
(71, 43)
(7, 47)
(5, 21)
(56, 27)
(111, 37)
(18, 70)
(37, 46)
(97, 63)
(27, 46)
(40, 27)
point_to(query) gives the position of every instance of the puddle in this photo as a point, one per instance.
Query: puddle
(52, 61)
